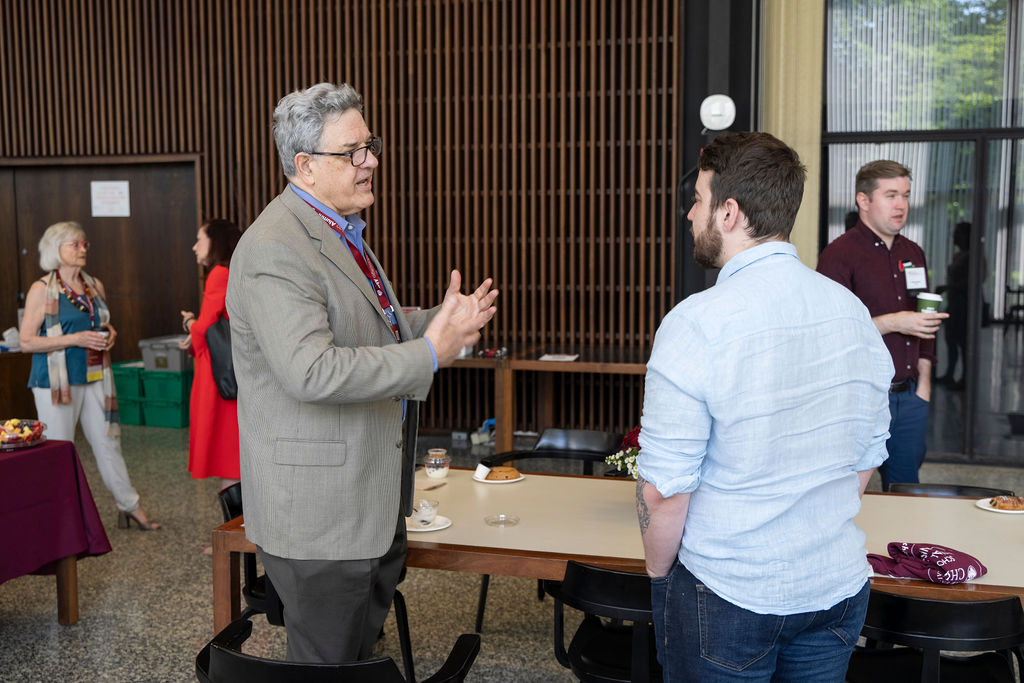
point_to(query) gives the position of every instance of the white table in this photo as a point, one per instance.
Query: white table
(593, 520)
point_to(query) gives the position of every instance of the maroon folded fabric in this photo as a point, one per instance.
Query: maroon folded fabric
(927, 561)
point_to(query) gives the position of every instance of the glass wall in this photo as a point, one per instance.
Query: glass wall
(937, 85)
(921, 64)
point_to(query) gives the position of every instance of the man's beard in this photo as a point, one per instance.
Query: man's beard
(707, 246)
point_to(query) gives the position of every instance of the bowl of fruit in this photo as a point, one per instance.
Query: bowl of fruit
(21, 433)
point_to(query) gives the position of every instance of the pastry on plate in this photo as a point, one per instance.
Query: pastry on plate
(503, 473)
(1008, 503)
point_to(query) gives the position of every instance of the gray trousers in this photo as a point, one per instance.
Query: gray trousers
(334, 609)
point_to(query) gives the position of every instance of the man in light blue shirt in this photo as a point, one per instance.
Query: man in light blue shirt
(765, 412)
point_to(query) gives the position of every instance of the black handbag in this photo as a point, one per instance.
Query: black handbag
(218, 340)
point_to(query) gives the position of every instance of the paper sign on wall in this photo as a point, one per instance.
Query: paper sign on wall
(110, 198)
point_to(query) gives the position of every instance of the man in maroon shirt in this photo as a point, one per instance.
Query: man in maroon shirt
(886, 271)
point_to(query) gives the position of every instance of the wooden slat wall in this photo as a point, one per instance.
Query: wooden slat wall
(533, 141)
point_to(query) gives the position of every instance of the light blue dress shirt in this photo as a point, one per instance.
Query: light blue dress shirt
(765, 395)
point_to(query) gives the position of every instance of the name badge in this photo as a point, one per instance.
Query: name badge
(916, 278)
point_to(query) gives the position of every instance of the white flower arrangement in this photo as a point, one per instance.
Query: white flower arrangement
(625, 460)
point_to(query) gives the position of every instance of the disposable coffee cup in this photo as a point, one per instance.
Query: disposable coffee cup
(928, 302)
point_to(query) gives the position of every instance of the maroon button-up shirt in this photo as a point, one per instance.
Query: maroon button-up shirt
(861, 262)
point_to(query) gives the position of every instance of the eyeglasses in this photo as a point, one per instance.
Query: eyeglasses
(358, 155)
(75, 244)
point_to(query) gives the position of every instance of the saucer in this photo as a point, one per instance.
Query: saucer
(501, 520)
(440, 522)
(498, 481)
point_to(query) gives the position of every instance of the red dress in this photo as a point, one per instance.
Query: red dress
(213, 422)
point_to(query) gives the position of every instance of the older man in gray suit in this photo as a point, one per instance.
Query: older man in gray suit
(329, 370)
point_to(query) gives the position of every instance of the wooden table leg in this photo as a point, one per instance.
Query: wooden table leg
(504, 407)
(67, 590)
(226, 589)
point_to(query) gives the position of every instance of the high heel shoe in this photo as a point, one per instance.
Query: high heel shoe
(124, 520)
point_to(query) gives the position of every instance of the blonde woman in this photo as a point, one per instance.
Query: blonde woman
(67, 329)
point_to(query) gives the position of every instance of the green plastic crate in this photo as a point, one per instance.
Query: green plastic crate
(129, 410)
(128, 379)
(167, 385)
(159, 413)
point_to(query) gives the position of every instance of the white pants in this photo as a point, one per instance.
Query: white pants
(87, 405)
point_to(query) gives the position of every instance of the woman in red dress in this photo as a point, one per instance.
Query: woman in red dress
(213, 421)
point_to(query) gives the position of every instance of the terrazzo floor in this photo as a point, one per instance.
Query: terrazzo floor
(146, 607)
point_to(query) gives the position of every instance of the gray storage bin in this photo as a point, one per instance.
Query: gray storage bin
(162, 353)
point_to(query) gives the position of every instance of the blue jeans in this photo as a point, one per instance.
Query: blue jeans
(702, 637)
(908, 428)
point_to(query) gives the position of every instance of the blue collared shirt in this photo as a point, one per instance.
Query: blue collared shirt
(765, 395)
(352, 227)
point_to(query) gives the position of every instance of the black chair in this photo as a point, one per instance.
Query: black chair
(587, 445)
(947, 490)
(222, 661)
(924, 627)
(257, 589)
(260, 596)
(603, 650)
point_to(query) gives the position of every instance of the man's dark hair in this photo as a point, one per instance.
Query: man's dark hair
(763, 174)
(224, 237)
(873, 171)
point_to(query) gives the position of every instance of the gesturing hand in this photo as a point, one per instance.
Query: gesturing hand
(458, 322)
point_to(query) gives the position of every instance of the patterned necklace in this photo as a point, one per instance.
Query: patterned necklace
(82, 302)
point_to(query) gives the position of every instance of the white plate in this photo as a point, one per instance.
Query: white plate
(986, 504)
(498, 481)
(440, 522)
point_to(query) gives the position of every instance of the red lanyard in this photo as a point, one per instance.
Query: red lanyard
(370, 272)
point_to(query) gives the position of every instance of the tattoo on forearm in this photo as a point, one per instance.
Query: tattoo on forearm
(642, 513)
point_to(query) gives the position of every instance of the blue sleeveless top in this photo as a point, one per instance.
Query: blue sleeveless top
(72, 319)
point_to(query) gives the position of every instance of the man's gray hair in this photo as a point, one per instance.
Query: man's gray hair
(56, 235)
(300, 116)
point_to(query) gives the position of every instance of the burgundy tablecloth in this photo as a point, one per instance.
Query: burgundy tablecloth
(46, 510)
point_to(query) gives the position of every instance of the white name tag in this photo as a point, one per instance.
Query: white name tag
(916, 278)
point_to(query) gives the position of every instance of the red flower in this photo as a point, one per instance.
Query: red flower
(631, 440)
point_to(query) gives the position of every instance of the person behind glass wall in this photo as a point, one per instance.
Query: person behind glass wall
(955, 291)
(67, 330)
(213, 420)
(852, 217)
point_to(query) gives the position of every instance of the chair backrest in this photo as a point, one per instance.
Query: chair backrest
(948, 490)
(578, 440)
(587, 445)
(604, 592)
(231, 501)
(959, 626)
(222, 661)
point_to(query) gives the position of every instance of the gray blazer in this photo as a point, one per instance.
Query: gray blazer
(320, 388)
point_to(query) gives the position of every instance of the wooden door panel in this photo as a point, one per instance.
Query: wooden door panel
(8, 252)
